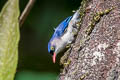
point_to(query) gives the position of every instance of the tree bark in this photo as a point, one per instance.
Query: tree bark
(95, 54)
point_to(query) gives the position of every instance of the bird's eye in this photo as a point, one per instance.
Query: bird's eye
(52, 48)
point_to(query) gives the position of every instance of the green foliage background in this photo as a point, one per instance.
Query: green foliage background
(35, 63)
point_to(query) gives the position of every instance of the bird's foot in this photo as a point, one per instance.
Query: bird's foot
(74, 33)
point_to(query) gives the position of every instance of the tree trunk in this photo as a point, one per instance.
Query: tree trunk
(95, 54)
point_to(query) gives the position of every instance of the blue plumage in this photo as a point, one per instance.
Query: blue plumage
(61, 27)
(59, 31)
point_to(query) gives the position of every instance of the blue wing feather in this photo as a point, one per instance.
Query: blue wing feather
(61, 27)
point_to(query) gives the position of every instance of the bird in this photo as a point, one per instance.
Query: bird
(61, 38)
(64, 35)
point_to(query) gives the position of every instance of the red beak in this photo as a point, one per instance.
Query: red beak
(54, 57)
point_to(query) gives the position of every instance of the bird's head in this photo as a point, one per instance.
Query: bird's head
(54, 47)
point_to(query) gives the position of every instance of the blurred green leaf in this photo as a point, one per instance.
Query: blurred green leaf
(9, 37)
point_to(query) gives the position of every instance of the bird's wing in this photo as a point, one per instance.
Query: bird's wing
(62, 26)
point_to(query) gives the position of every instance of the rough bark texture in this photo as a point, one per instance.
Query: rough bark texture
(96, 55)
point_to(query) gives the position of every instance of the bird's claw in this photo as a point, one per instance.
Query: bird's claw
(74, 33)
